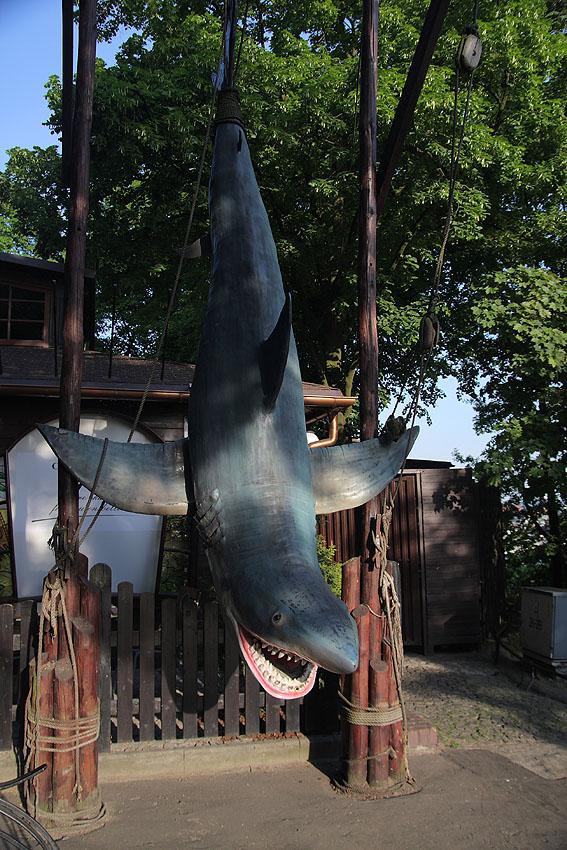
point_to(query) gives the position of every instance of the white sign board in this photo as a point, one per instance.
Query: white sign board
(129, 543)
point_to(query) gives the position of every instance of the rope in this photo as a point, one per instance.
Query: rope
(58, 539)
(81, 730)
(361, 715)
(186, 239)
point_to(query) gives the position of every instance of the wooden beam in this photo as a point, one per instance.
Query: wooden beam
(412, 89)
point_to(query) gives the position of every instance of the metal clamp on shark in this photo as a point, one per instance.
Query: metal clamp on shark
(246, 463)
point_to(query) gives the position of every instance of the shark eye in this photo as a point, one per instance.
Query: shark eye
(276, 618)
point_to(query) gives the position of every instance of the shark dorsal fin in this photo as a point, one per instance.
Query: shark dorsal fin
(274, 354)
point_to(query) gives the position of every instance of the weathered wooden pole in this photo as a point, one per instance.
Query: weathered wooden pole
(412, 88)
(72, 362)
(74, 774)
(367, 515)
(358, 732)
(67, 91)
(378, 772)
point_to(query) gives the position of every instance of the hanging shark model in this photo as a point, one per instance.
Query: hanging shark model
(246, 465)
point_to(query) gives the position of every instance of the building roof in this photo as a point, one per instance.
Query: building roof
(33, 371)
(50, 267)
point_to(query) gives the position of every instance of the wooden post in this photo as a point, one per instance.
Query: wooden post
(358, 734)
(67, 91)
(64, 797)
(86, 632)
(378, 736)
(368, 334)
(72, 362)
(395, 730)
(351, 583)
(45, 681)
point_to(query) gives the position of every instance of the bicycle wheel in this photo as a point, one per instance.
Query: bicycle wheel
(21, 831)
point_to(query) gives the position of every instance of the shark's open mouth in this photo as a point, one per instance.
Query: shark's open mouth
(281, 673)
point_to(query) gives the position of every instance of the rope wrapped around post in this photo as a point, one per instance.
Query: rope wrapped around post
(228, 108)
(361, 715)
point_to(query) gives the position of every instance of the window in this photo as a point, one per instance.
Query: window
(23, 315)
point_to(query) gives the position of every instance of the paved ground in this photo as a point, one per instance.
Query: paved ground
(474, 704)
(471, 800)
(499, 782)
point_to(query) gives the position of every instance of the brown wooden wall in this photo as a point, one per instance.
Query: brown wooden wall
(451, 562)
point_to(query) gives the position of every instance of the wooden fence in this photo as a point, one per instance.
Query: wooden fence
(169, 670)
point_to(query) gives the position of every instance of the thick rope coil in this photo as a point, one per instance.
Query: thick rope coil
(80, 732)
(360, 715)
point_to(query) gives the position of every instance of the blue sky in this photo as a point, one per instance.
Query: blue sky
(30, 51)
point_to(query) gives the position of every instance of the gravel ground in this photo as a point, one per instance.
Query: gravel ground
(474, 704)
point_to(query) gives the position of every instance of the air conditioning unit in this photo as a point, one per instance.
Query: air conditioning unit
(543, 632)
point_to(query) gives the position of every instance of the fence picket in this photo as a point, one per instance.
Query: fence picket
(252, 703)
(189, 621)
(272, 714)
(124, 663)
(6, 681)
(231, 683)
(168, 672)
(100, 575)
(292, 713)
(147, 667)
(211, 651)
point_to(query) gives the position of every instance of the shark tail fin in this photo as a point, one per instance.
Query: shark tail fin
(274, 354)
(137, 477)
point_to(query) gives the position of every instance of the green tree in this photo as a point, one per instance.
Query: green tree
(522, 372)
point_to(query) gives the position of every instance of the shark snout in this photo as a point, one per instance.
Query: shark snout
(329, 637)
(337, 656)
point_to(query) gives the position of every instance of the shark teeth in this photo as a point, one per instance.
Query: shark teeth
(282, 673)
(261, 653)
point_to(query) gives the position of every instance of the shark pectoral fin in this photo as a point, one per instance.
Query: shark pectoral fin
(274, 354)
(347, 476)
(144, 478)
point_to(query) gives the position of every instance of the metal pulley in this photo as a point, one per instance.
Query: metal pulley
(429, 331)
(469, 51)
